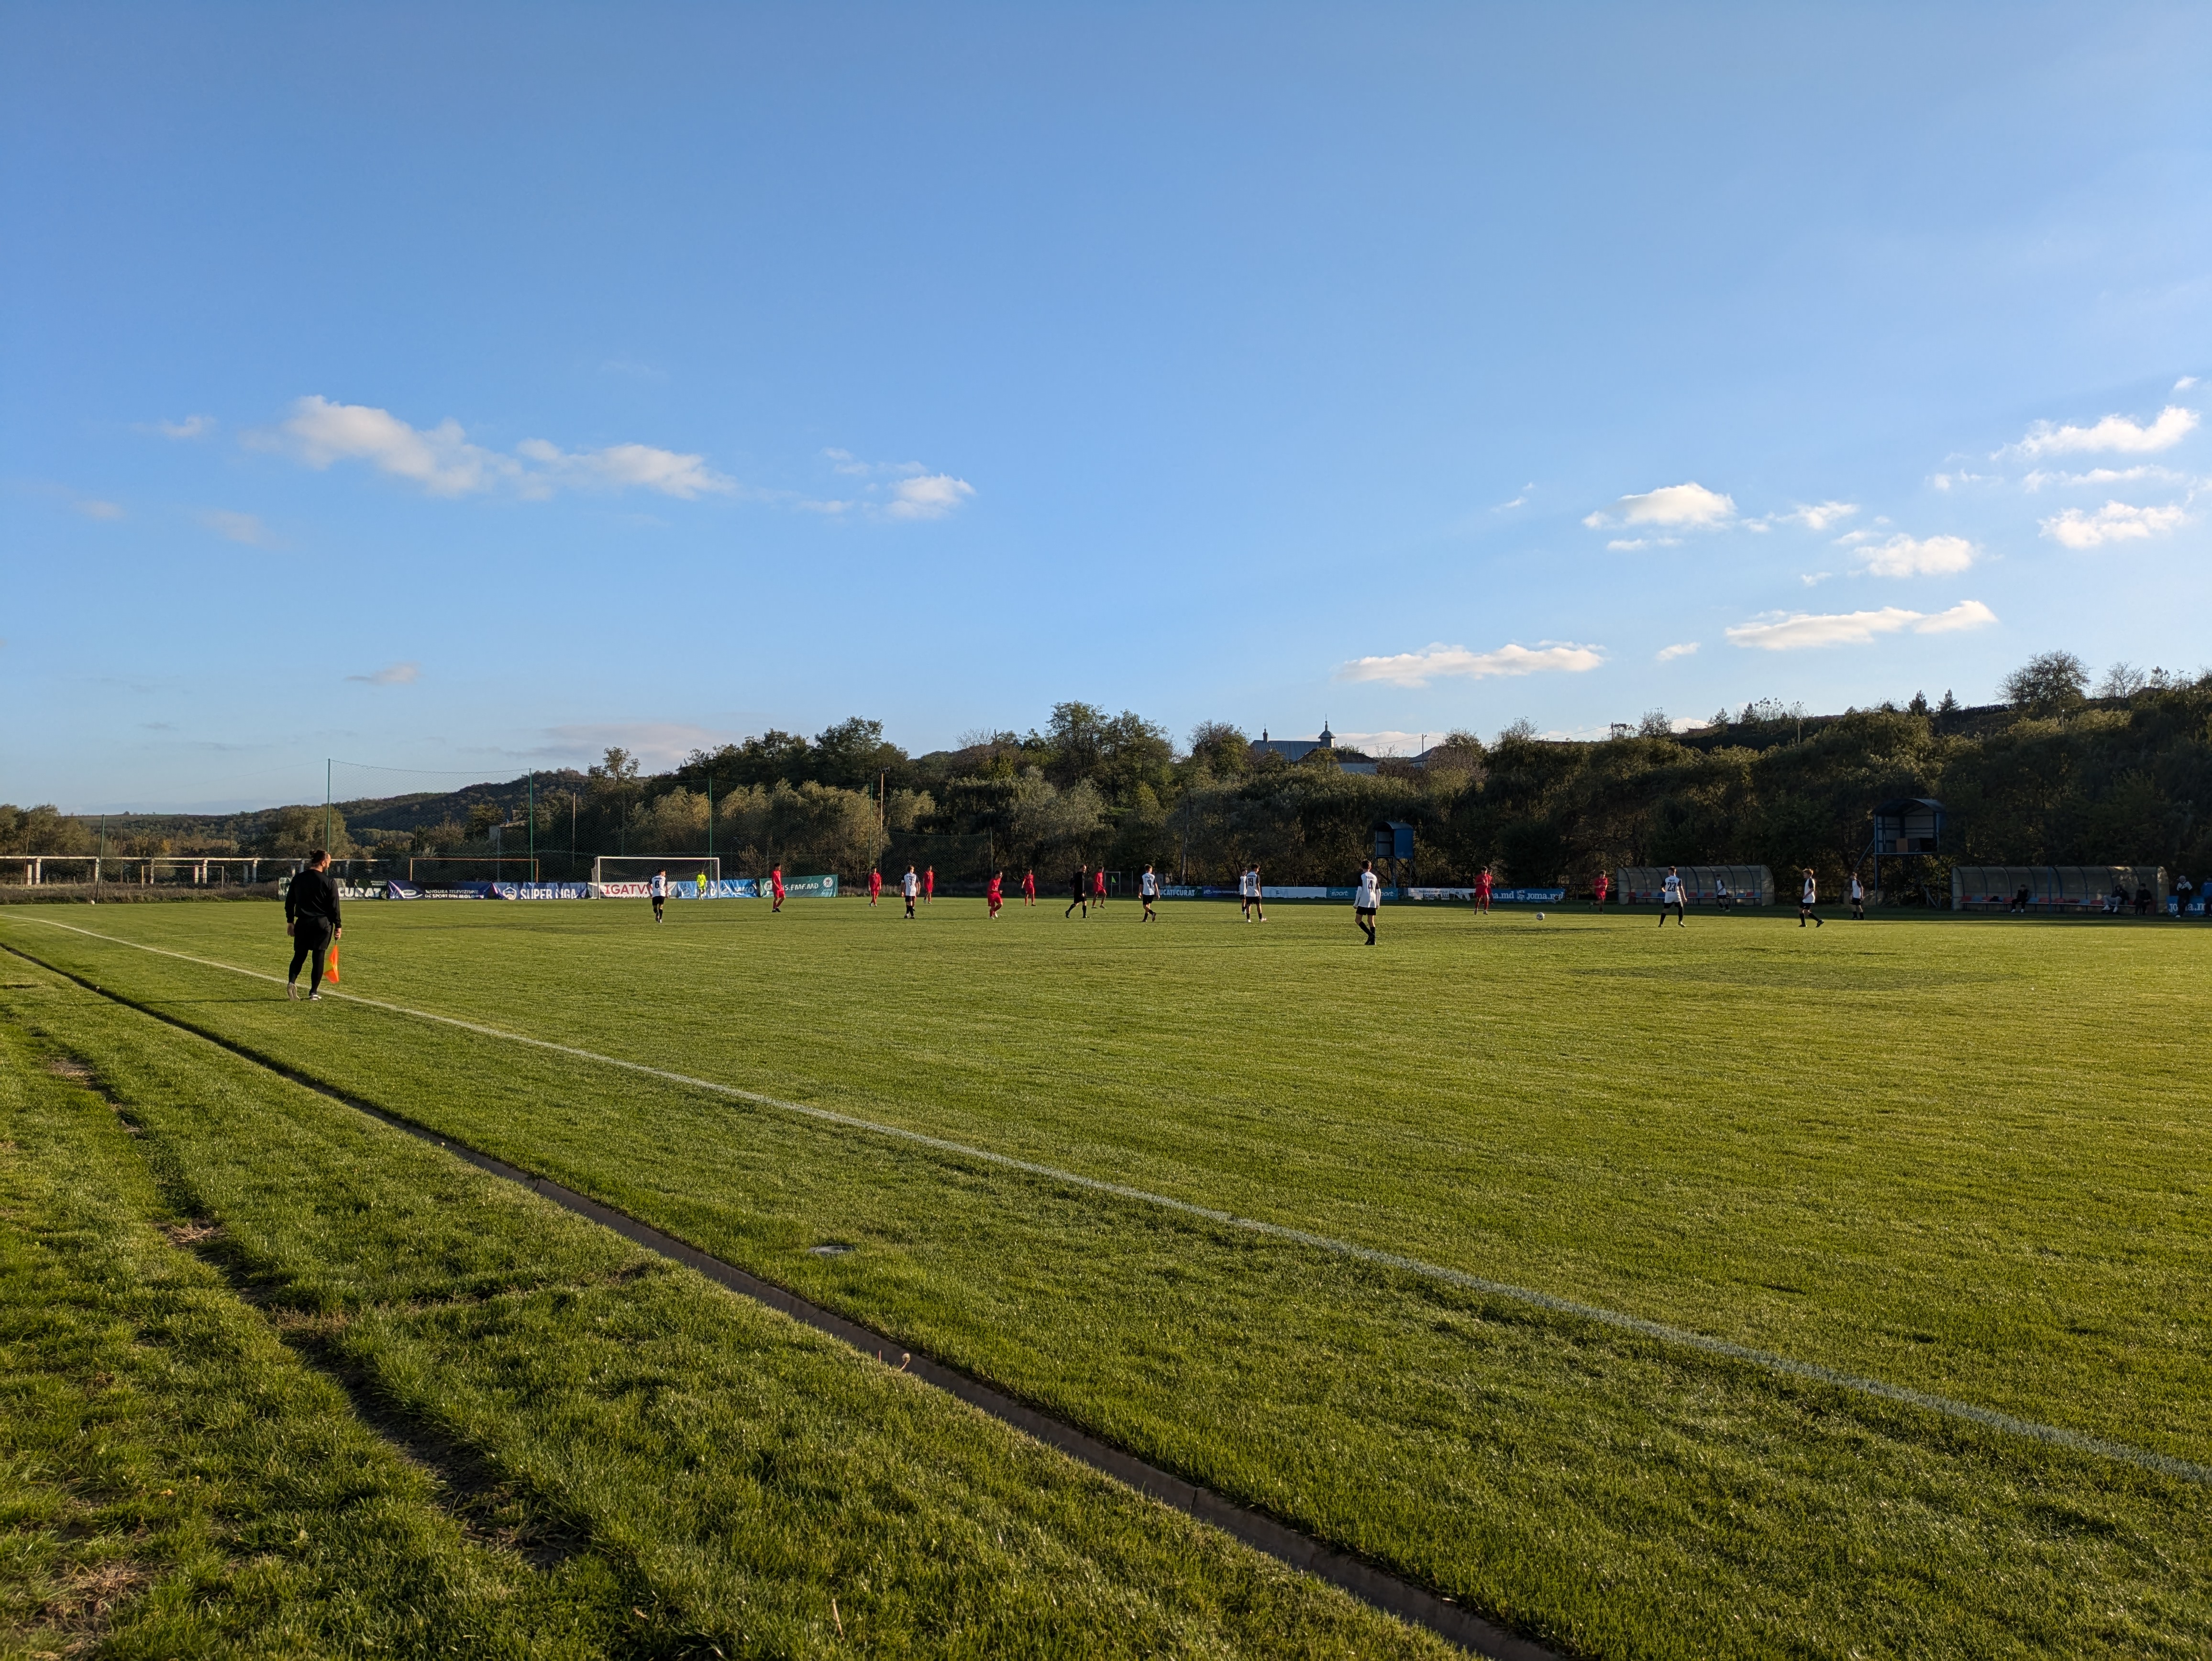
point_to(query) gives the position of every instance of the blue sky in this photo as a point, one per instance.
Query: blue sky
(472, 387)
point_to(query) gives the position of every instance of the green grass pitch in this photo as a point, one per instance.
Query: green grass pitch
(1966, 1159)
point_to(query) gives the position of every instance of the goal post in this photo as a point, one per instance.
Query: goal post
(621, 868)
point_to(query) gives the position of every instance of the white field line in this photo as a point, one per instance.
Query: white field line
(2055, 1435)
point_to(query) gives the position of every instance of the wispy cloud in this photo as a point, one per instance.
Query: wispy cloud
(1687, 507)
(655, 743)
(896, 489)
(1817, 516)
(245, 528)
(1950, 481)
(91, 507)
(392, 674)
(2184, 383)
(2114, 433)
(2101, 476)
(1521, 501)
(2116, 521)
(1419, 668)
(444, 463)
(620, 466)
(1797, 629)
(1918, 557)
(931, 496)
(1668, 654)
(192, 426)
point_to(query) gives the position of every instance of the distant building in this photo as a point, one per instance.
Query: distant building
(1296, 750)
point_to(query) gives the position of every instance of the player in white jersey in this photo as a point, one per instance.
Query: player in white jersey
(1858, 898)
(1249, 886)
(910, 886)
(1148, 890)
(1367, 900)
(1808, 900)
(659, 889)
(1671, 898)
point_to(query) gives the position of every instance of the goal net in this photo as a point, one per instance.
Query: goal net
(625, 872)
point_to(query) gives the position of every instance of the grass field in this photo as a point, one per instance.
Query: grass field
(1966, 1159)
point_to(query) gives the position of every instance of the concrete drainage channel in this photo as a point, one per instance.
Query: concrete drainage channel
(1371, 1586)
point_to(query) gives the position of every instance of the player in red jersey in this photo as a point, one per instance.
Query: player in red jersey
(1482, 891)
(1599, 889)
(1029, 888)
(929, 885)
(993, 893)
(776, 885)
(1098, 887)
(875, 885)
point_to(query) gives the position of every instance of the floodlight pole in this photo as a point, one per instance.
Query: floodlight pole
(530, 802)
(710, 813)
(326, 803)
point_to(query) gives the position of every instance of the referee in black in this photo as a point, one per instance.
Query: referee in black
(311, 918)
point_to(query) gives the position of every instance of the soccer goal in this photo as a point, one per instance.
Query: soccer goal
(621, 869)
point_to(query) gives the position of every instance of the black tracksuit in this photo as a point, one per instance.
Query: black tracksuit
(311, 906)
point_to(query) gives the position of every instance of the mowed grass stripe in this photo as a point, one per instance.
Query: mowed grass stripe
(718, 1478)
(2056, 1435)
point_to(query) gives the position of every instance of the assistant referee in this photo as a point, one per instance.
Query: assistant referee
(311, 918)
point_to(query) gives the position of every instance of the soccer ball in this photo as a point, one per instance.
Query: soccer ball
(1540, 916)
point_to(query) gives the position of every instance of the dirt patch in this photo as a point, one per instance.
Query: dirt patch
(64, 1066)
(79, 1610)
(191, 1233)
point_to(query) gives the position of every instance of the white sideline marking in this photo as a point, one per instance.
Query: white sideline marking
(2055, 1435)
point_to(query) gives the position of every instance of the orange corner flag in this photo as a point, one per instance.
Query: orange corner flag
(331, 966)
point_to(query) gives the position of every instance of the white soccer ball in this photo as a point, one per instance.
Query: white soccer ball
(1540, 916)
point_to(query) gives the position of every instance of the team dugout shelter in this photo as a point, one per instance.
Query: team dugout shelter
(1702, 885)
(2055, 889)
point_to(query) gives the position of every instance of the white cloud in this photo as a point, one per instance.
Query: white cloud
(1947, 480)
(619, 466)
(443, 461)
(897, 490)
(658, 744)
(1914, 556)
(1690, 507)
(931, 496)
(195, 426)
(1387, 742)
(2036, 481)
(2116, 521)
(1813, 579)
(2114, 432)
(1417, 668)
(1521, 501)
(246, 528)
(93, 508)
(394, 674)
(1819, 517)
(1629, 545)
(1798, 630)
(1668, 654)
(2184, 383)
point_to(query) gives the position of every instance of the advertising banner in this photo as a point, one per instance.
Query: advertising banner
(809, 888)
(1499, 896)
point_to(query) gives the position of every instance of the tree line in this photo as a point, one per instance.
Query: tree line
(2054, 774)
